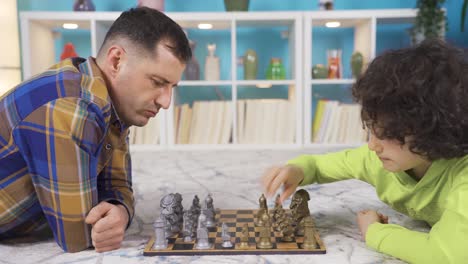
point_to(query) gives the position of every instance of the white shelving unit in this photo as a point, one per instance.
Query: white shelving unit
(39, 30)
(364, 26)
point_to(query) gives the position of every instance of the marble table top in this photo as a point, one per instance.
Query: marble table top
(232, 177)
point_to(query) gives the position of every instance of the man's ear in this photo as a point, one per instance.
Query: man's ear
(115, 58)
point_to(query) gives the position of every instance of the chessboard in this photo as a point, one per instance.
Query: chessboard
(235, 219)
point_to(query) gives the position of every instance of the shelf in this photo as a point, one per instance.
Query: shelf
(332, 81)
(264, 83)
(299, 39)
(204, 83)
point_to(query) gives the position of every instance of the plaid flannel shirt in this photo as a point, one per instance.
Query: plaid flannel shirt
(63, 150)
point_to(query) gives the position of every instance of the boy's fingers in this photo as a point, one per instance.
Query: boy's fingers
(279, 180)
(267, 179)
(286, 193)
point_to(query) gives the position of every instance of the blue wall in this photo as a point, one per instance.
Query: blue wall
(452, 6)
(388, 36)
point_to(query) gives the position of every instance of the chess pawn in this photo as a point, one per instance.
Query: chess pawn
(244, 239)
(309, 239)
(209, 211)
(225, 236)
(160, 241)
(202, 233)
(187, 226)
(264, 241)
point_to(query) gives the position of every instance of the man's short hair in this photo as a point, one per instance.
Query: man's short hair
(145, 28)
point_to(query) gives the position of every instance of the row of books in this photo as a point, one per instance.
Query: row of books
(336, 122)
(259, 121)
(207, 122)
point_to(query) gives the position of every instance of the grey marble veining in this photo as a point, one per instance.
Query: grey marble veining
(232, 177)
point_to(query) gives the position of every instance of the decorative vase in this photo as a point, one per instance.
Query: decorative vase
(250, 65)
(319, 71)
(211, 64)
(192, 69)
(155, 4)
(326, 4)
(84, 5)
(334, 64)
(68, 51)
(275, 70)
(236, 5)
(357, 61)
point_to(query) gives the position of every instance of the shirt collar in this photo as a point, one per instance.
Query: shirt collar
(90, 67)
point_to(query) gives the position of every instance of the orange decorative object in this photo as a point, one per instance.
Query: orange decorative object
(334, 64)
(68, 51)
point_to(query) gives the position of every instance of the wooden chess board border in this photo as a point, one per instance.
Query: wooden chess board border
(281, 248)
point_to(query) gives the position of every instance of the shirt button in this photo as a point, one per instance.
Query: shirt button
(108, 146)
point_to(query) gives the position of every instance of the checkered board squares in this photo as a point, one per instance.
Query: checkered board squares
(235, 220)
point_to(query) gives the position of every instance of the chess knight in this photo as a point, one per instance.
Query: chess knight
(300, 209)
(172, 212)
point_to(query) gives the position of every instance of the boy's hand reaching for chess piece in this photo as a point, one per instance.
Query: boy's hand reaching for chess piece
(288, 176)
(366, 218)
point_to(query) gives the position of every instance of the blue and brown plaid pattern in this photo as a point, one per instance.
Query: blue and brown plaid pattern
(62, 151)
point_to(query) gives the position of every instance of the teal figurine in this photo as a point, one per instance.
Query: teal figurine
(357, 61)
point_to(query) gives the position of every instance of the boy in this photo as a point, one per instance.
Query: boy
(415, 104)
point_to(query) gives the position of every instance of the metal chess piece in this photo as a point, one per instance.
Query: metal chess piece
(244, 239)
(202, 233)
(300, 209)
(284, 225)
(263, 209)
(172, 211)
(187, 227)
(209, 212)
(264, 241)
(160, 241)
(225, 236)
(309, 239)
(195, 208)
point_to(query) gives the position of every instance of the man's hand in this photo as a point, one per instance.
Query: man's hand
(366, 218)
(109, 222)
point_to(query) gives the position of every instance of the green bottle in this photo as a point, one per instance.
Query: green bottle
(275, 70)
(357, 61)
(250, 65)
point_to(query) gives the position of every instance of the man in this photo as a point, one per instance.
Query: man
(64, 160)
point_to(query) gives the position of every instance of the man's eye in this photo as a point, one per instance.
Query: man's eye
(157, 84)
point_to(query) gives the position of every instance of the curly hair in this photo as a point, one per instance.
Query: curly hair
(419, 94)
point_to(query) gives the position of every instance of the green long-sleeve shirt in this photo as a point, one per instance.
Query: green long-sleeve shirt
(440, 198)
